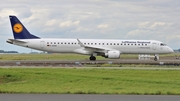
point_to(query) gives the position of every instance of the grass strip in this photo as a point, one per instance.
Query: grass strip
(89, 81)
(56, 56)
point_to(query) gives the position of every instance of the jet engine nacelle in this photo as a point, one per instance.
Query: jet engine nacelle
(112, 54)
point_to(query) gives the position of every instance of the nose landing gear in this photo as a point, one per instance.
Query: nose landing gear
(156, 57)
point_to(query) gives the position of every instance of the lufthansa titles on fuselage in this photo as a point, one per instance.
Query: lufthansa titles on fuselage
(137, 42)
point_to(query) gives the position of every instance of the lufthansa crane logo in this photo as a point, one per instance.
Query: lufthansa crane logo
(18, 28)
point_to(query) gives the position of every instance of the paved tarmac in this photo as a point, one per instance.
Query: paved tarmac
(84, 97)
(72, 63)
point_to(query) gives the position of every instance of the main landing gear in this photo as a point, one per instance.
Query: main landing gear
(155, 58)
(92, 58)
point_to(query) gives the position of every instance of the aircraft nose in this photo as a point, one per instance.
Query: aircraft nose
(171, 50)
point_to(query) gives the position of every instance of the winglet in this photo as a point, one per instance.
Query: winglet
(80, 43)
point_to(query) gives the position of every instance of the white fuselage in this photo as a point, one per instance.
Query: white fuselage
(73, 46)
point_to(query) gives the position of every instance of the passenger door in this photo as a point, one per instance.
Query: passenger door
(42, 44)
(154, 46)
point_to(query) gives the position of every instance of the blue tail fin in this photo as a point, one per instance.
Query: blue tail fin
(19, 31)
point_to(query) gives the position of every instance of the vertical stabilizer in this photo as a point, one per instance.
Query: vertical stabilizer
(19, 31)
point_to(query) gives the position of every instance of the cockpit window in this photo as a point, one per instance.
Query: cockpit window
(162, 44)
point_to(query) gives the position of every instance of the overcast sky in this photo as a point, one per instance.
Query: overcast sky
(109, 19)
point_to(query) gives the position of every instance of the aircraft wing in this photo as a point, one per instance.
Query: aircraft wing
(94, 48)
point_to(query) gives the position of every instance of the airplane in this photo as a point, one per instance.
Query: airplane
(107, 48)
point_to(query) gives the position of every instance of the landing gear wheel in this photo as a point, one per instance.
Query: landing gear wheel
(92, 58)
(155, 58)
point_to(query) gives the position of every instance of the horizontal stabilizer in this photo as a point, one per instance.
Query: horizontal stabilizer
(11, 41)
